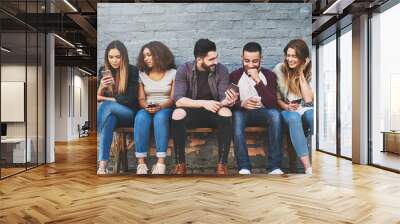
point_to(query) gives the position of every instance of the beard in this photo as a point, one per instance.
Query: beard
(208, 68)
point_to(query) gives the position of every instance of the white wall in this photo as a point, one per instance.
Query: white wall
(16, 73)
(33, 127)
(61, 103)
(71, 102)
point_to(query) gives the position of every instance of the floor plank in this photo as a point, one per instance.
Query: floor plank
(69, 191)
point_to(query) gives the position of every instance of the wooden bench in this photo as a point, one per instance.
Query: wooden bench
(120, 144)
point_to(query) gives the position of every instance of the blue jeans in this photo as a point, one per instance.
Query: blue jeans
(143, 122)
(295, 121)
(111, 115)
(263, 117)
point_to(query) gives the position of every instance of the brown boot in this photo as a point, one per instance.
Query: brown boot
(222, 169)
(180, 168)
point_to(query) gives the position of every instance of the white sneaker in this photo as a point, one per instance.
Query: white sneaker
(276, 172)
(141, 169)
(244, 171)
(102, 171)
(158, 169)
(309, 171)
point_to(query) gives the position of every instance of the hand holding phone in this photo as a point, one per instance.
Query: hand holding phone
(107, 78)
(298, 101)
(152, 107)
(294, 104)
(257, 100)
(234, 87)
(231, 95)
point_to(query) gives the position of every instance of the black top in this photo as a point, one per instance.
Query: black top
(204, 92)
(129, 98)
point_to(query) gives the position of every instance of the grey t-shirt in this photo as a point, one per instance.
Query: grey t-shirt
(157, 91)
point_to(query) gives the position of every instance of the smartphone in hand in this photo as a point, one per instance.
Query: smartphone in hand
(151, 105)
(234, 87)
(298, 101)
(106, 74)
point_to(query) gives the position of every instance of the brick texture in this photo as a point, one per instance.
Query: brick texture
(229, 25)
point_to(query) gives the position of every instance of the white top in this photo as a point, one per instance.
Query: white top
(157, 91)
(247, 87)
(283, 92)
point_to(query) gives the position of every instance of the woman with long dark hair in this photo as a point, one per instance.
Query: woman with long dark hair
(117, 95)
(295, 96)
(156, 87)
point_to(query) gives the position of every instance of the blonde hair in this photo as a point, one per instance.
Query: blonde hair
(292, 78)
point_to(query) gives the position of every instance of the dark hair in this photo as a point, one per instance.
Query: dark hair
(123, 68)
(162, 57)
(202, 47)
(252, 47)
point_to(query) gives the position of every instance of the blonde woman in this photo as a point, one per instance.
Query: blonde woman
(295, 96)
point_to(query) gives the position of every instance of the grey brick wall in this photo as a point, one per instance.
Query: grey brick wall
(229, 25)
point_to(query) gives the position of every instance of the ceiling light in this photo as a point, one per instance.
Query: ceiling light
(84, 71)
(65, 41)
(337, 7)
(70, 5)
(5, 50)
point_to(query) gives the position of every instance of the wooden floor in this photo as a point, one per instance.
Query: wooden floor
(70, 192)
(386, 159)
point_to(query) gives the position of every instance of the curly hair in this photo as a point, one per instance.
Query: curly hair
(162, 57)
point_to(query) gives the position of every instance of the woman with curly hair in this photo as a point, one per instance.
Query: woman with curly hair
(156, 86)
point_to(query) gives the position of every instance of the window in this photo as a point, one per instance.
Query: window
(385, 86)
(346, 92)
(327, 95)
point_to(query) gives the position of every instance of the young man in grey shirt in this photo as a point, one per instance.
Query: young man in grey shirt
(203, 100)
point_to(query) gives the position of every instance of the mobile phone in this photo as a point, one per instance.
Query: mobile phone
(298, 101)
(107, 75)
(150, 105)
(234, 87)
(256, 98)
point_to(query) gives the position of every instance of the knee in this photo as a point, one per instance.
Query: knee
(225, 112)
(309, 116)
(292, 118)
(162, 116)
(142, 116)
(110, 122)
(275, 116)
(178, 114)
(104, 108)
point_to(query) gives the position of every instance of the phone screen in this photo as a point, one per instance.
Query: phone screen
(234, 87)
(296, 101)
(151, 105)
(106, 73)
